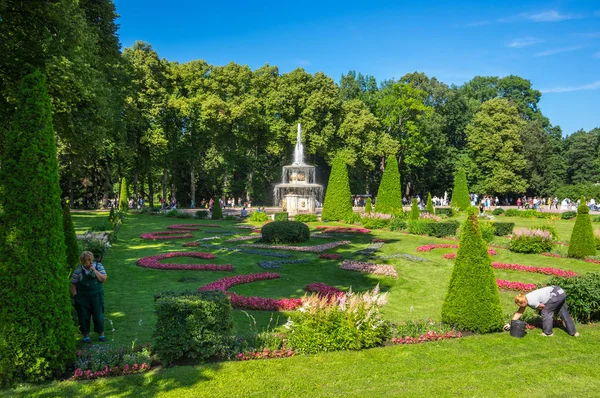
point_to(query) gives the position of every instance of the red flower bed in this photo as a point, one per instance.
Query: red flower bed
(518, 286)
(376, 240)
(537, 270)
(555, 255)
(429, 336)
(225, 283)
(342, 230)
(324, 290)
(191, 244)
(191, 227)
(256, 231)
(181, 234)
(114, 371)
(450, 256)
(154, 262)
(428, 248)
(265, 354)
(331, 256)
(591, 260)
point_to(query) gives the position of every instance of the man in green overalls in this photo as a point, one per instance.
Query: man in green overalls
(86, 289)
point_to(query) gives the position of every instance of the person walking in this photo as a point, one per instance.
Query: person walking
(88, 294)
(548, 300)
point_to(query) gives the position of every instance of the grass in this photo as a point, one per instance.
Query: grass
(474, 366)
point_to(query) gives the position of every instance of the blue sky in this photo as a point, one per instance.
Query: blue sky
(555, 44)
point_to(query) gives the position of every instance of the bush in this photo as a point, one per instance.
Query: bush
(526, 240)
(285, 232)
(183, 214)
(195, 325)
(369, 206)
(104, 226)
(528, 213)
(460, 193)
(258, 216)
(374, 222)
(548, 227)
(582, 243)
(568, 215)
(281, 216)
(306, 218)
(71, 243)
(487, 231)
(123, 203)
(201, 214)
(444, 211)
(398, 223)
(512, 213)
(389, 197)
(442, 229)
(337, 204)
(36, 329)
(172, 213)
(498, 211)
(96, 246)
(217, 212)
(352, 218)
(583, 295)
(414, 211)
(322, 325)
(472, 302)
(503, 228)
(429, 207)
(418, 227)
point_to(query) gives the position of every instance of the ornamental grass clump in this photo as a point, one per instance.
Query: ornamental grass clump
(389, 198)
(343, 322)
(536, 241)
(582, 243)
(337, 204)
(472, 302)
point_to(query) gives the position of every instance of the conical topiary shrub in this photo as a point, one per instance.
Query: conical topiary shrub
(123, 203)
(36, 329)
(389, 198)
(472, 302)
(337, 205)
(582, 243)
(429, 206)
(217, 212)
(460, 193)
(414, 211)
(369, 206)
(71, 243)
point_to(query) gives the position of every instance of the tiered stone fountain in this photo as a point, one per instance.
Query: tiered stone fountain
(298, 191)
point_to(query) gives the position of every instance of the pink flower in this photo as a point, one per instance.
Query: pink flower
(555, 255)
(428, 248)
(518, 286)
(191, 227)
(324, 290)
(429, 336)
(181, 234)
(308, 249)
(154, 262)
(330, 256)
(538, 270)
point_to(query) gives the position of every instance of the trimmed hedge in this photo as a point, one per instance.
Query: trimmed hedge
(281, 216)
(258, 216)
(512, 213)
(473, 302)
(582, 243)
(306, 218)
(194, 325)
(583, 295)
(444, 211)
(503, 228)
(442, 229)
(568, 215)
(397, 224)
(460, 193)
(374, 222)
(201, 214)
(285, 232)
(389, 198)
(338, 201)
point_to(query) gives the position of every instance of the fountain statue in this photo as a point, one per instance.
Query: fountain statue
(298, 190)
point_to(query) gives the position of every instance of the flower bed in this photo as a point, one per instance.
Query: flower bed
(324, 290)
(406, 256)
(537, 270)
(331, 256)
(342, 230)
(518, 286)
(424, 338)
(247, 251)
(180, 234)
(591, 260)
(154, 262)
(450, 256)
(243, 238)
(114, 371)
(308, 249)
(322, 236)
(268, 264)
(191, 244)
(377, 240)
(244, 226)
(265, 354)
(428, 248)
(554, 255)
(256, 231)
(369, 268)
(103, 360)
(373, 247)
(192, 227)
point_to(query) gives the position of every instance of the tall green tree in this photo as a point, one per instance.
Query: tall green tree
(389, 198)
(36, 332)
(581, 156)
(337, 204)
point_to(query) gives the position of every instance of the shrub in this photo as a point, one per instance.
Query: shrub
(217, 212)
(36, 328)
(196, 325)
(597, 238)
(568, 215)
(337, 204)
(104, 226)
(441, 229)
(460, 193)
(582, 243)
(123, 203)
(183, 214)
(98, 357)
(487, 231)
(172, 213)
(71, 244)
(512, 213)
(528, 213)
(285, 232)
(503, 228)
(429, 207)
(258, 216)
(351, 218)
(281, 216)
(472, 302)
(418, 227)
(96, 246)
(389, 197)
(596, 219)
(306, 218)
(548, 227)
(201, 214)
(398, 223)
(583, 295)
(525, 240)
(414, 211)
(369, 206)
(374, 222)
(497, 211)
(444, 211)
(351, 322)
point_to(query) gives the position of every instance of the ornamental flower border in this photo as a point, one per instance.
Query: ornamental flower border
(331, 256)
(517, 286)
(308, 249)
(265, 354)
(427, 337)
(428, 248)
(154, 262)
(537, 270)
(369, 268)
(342, 230)
(192, 227)
(451, 256)
(324, 290)
(243, 238)
(114, 371)
(269, 264)
(164, 235)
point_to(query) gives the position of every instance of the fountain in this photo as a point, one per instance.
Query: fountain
(298, 191)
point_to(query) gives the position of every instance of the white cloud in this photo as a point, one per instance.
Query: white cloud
(592, 86)
(597, 55)
(524, 42)
(557, 51)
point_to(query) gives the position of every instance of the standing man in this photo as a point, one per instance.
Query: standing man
(548, 300)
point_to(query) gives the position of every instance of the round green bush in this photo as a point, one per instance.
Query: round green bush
(498, 211)
(285, 232)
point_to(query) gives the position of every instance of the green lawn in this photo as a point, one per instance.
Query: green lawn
(492, 365)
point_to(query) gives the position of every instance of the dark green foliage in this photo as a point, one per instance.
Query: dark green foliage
(534, 241)
(281, 216)
(442, 229)
(201, 214)
(172, 213)
(503, 228)
(192, 325)
(389, 198)
(258, 216)
(398, 223)
(528, 213)
(472, 302)
(369, 206)
(285, 232)
(123, 203)
(444, 211)
(487, 231)
(111, 215)
(96, 246)
(429, 206)
(568, 215)
(184, 214)
(337, 204)
(36, 329)
(374, 222)
(498, 211)
(418, 227)
(512, 213)
(582, 243)
(71, 244)
(217, 212)
(583, 295)
(352, 218)
(414, 211)
(306, 217)
(460, 193)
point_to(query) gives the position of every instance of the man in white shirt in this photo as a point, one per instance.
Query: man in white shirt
(548, 300)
